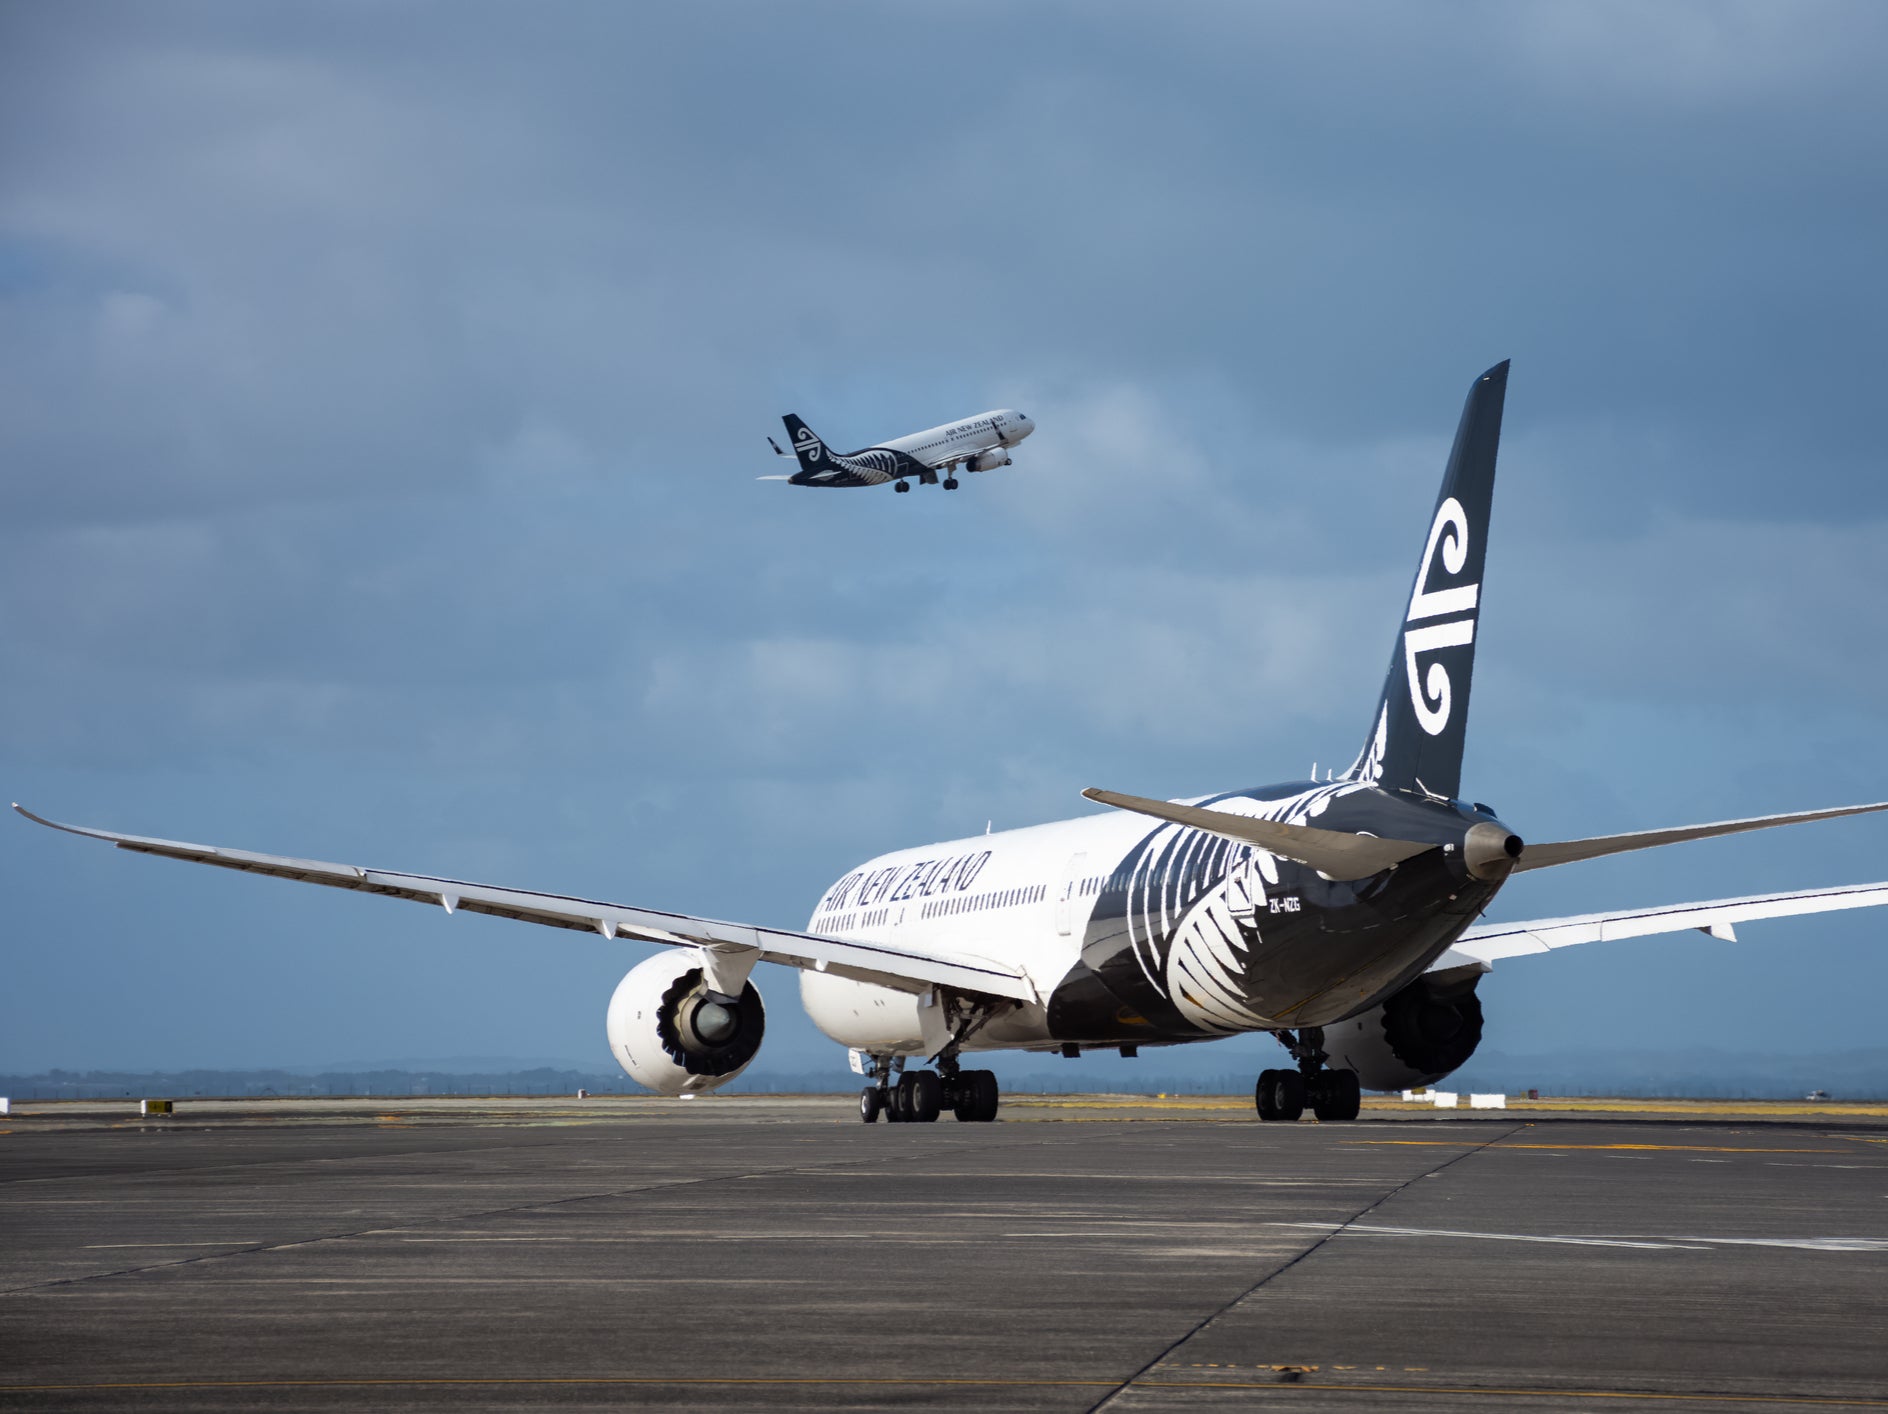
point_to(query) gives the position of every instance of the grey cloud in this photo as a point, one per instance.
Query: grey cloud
(381, 389)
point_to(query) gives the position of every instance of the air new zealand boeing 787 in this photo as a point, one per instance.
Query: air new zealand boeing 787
(1338, 915)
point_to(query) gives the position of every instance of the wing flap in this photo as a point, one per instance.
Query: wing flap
(864, 961)
(1490, 944)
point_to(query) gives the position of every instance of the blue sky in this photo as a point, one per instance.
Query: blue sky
(382, 389)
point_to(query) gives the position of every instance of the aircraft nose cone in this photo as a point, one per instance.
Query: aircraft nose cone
(1491, 850)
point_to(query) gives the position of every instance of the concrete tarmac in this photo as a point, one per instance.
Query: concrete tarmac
(777, 1254)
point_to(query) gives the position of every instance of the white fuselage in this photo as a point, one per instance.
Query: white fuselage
(1019, 896)
(961, 440)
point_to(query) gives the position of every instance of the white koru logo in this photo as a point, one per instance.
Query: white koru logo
(807, 444)
(1429, 693)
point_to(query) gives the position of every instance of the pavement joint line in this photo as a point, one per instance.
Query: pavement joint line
(203, 1258)
(1279, 1271)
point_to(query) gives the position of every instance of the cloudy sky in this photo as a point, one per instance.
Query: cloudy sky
(382, 390)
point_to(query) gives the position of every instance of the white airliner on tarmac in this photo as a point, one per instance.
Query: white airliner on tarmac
(980, 443)
(1343, 915)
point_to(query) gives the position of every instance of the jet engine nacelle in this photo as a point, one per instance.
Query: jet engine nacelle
(1418, 1036)
(674, 1035)
(989, 461)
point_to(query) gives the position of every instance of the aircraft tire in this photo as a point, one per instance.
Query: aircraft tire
(1262, 1094)
(898, 1102)
(950, 483)
(978, 1097)
(1288, 1096)
(927, 1096)
(903, 486)
(871, 1100)
(1335, 1095)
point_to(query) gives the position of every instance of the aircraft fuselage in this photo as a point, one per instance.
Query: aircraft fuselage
(1138, 932)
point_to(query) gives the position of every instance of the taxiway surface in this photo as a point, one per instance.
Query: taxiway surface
(781, 1255)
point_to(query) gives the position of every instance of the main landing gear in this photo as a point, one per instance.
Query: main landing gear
(902, 486)
(1329, 1094)
(920, 1096)
(1285, 1094)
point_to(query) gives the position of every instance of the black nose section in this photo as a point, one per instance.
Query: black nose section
(1490, 850)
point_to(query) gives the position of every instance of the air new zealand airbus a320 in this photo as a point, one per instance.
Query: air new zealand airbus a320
(1339, 915)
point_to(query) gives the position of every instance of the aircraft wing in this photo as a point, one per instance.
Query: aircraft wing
(1487, 945)
(900, 968)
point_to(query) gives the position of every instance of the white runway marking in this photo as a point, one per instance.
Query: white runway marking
(1687, 1242)
(1806, 1244)
(199, 1242)
(1362, 1231)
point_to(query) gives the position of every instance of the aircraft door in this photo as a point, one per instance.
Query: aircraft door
(1065, 894)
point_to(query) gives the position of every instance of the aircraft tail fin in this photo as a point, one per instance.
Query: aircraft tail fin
(807, 446)
(1416, 740)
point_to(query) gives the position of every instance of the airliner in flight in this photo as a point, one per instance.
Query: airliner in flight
(1343, 916)
(980, 443)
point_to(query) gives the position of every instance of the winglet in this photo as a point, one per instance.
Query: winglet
(54, 824)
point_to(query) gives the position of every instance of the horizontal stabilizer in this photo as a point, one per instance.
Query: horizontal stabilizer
(1336, 853)
(1543, 856)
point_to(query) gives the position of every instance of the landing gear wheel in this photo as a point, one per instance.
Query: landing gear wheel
(871, 1101)
(1280, 1095)
(903, 486)
(977, 1096)
(1335, 1095)
(927, 1096)
(1262, 1094)
(898, 1101)
(1288, 1095)
(950, 483)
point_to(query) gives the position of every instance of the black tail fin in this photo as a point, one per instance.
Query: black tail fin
(1416, 741)
(807, 445)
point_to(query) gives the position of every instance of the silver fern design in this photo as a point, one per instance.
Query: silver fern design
(1194, 908)
(1368, 767)
(872, 467)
